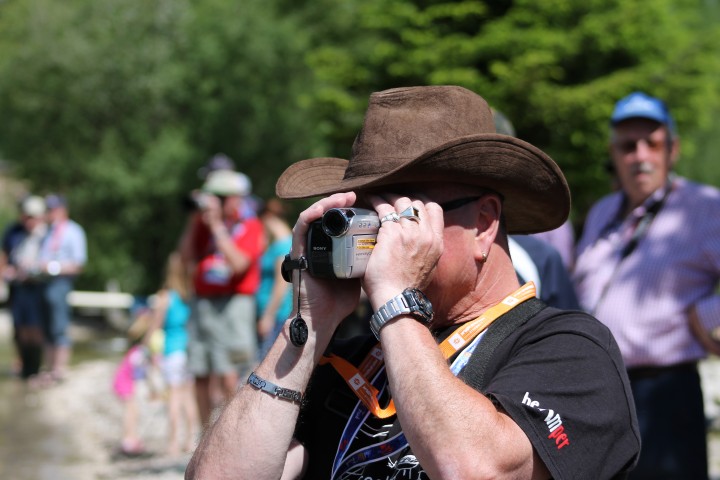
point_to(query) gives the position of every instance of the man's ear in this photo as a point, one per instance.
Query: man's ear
(488, 225)
(674, 152)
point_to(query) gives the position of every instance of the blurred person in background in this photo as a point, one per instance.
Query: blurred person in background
(648, 266)
(563, 239)
(274, 297)
(21, 247)
(170, 313)
(538, 260)
(63, 255)
(12, 235)
(222, 248)
(221, 161)
(145, 345)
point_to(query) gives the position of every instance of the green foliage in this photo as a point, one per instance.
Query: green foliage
(117, 104)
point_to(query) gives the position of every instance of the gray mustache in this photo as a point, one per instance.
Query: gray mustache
(643, 167)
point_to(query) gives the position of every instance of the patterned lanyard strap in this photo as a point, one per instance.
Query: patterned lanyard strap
(356, 377)
(56, 236)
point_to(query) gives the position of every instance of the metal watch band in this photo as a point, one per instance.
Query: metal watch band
(274, 390)
(402, 304)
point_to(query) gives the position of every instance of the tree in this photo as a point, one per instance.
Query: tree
(117, 104)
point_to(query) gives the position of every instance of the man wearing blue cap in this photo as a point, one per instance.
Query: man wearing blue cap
(63, 255)
(648, 266)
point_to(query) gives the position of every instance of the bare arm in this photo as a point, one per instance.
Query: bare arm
(252, 438)
(434, 406)
(253, 435)
(159, 310)
(6, 270)
(706, 339)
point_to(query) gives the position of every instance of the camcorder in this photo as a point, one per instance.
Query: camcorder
(340, 243)
(196, 200)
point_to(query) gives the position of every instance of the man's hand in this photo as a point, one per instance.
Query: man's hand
(211, 210)
(406, 251)
(706, 339)
(323, 302)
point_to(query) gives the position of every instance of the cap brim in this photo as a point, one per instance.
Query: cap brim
(644, 114)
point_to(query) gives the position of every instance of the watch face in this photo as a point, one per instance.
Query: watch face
(424, 306)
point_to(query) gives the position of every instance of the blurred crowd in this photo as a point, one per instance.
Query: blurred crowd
(220, 307)
(42, 253)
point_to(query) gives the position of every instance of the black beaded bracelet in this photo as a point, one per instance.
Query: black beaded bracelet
(274, 390)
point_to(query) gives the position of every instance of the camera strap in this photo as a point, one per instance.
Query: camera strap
(463, 336)
(640, 228)
(288, 265)
(298, 327)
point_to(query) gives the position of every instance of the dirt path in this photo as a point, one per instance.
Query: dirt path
(72, 430)
(79, 422)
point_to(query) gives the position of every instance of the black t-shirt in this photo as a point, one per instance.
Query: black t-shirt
(560, 377)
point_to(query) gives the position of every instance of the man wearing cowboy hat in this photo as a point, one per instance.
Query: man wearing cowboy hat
(538, 393)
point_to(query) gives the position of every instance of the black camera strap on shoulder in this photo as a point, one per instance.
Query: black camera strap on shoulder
(641, 228)
(474, 372)
(644, 223)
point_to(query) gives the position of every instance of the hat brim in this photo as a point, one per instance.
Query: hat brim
(537, 197)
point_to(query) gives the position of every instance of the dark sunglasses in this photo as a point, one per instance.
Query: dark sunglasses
(459, 202)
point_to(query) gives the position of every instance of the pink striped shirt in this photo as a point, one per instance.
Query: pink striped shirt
(645, 297)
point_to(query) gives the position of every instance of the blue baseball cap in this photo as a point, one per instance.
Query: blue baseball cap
(55, 201)
(641, 105)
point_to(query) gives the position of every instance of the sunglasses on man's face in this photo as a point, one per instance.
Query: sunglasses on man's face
(450, 204)
(629, 146)
(459, 202)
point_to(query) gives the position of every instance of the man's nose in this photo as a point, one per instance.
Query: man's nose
(642, 149)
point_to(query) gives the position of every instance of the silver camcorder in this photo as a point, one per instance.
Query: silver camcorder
(340, 244)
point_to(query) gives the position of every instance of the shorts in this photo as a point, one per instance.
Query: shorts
(222, 335)
(175, 368)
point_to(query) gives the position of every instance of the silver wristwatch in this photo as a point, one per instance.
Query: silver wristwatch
(411, 301)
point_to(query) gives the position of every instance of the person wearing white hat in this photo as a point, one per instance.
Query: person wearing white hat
(222, 248)
(21, 247)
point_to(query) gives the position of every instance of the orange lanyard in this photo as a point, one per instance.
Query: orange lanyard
(459, 339)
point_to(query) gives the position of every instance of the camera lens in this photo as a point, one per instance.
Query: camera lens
(336, 221)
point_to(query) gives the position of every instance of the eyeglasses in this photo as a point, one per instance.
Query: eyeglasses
(629, 146)
(459, 202)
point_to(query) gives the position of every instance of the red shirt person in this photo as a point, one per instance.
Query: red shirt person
(223, 245)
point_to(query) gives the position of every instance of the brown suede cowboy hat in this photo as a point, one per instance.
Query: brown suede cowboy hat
(439, 134)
